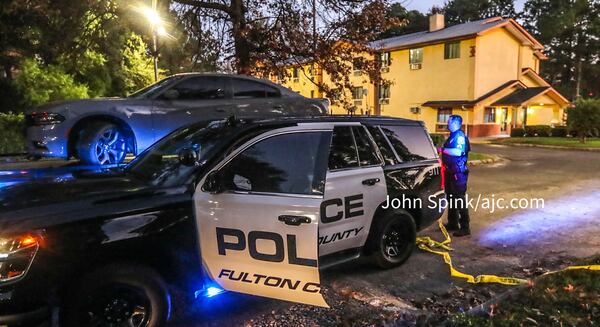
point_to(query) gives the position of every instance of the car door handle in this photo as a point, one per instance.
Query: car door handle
(371, 181)
(220, 110)
(294, 220)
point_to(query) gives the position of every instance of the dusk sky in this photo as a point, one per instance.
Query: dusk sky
(424, 5)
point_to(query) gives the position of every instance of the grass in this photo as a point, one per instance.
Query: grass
(560, 141)
(479, 156)
(568, 298)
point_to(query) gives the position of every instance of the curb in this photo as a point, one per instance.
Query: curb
(558, 147)
(485, 161)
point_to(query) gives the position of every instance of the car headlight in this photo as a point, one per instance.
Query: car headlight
(16, 255)
(44, 118)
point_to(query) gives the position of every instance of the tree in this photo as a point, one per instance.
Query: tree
(570, 30)
(460, 11)
(414, 21)
(584, 118)
(266, 37)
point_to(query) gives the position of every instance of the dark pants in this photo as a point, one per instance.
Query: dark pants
(456, 188)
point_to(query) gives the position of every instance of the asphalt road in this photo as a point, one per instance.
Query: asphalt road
(509, 242)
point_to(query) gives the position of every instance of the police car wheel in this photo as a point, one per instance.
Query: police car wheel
(394, 240)
(119, 295)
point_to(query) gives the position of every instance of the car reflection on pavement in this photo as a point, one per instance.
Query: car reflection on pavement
(64, 173)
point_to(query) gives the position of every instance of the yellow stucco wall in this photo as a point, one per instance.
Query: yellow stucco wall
(497, 60)
(527, 58)
(438, 79)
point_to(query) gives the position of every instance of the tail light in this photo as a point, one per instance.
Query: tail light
(44, 118)
(443, 173)
(16, 255)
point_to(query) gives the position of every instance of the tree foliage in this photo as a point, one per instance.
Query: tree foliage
(584, 118)
(460, 11)
(46, 83)
(414, 21)
(570, 30)
(266, 37)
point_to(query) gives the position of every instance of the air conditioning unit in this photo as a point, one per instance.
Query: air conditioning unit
(415, 110)
(385, 69)
(357, 72)
(357, 103)
(415, 66)
(384, 101)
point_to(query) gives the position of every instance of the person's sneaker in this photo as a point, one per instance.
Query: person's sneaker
(451, 227)
(462, 232)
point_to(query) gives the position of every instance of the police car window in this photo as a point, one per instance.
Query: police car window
(343, 153)
(410, 142)
(367, 155)
(289, 163)
(201, 88)
(383, 145)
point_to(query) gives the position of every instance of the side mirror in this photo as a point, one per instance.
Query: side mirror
(188, 157)
(171, 94)
(212, 183)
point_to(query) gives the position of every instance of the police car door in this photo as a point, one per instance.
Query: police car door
(354, 190)
(258, 232)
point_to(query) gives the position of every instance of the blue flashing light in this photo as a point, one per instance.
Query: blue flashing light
(209, 292)
(213, 291)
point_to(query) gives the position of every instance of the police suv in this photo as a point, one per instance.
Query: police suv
(255, 207)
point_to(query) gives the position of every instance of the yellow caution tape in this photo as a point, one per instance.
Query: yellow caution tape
(428, 244)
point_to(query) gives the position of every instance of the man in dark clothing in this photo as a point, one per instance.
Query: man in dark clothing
(454, 157)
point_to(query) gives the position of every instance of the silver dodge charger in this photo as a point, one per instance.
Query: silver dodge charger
(104, 131)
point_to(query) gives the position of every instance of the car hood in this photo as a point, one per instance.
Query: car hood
(73, 104)
(39, 204)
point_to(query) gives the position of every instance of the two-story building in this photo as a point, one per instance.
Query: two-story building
(486, 71)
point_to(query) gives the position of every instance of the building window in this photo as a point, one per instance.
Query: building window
(312, 93)
(295, 74)
(384, 94)
(452, 50)
(385, 61)
(357, 65)
(415, 58)
(489, 115)
(357, 93)
(443, 115)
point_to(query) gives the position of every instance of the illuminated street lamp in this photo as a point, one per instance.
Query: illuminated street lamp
(157, 30)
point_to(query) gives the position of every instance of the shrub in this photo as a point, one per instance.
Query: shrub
(538, 130)
(517, 132)
(41, 83)
(584, 118)
(12, 133)
(438, 139)
(559, 131)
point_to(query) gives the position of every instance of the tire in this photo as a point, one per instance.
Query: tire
(393, 240)
(118, 295)
(102, 143)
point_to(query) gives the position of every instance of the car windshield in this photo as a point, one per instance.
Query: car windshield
(160, 166)
(151, 90)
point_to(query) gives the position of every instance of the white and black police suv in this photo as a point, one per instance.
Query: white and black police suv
(255, 207)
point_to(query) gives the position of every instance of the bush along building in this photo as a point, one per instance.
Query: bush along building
(487, 71)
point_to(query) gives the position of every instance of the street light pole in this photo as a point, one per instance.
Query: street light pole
(154, 46)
